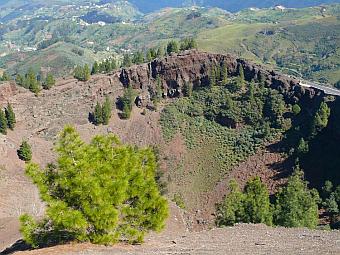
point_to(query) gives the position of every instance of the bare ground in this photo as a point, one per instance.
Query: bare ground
(241, 239)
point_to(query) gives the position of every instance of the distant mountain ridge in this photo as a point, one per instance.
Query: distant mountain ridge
(147, 6)
(230, 5)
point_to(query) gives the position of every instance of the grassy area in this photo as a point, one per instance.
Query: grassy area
(300, 42)
(296, 41)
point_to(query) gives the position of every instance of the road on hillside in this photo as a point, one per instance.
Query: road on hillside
(325, 89)
(310, 84)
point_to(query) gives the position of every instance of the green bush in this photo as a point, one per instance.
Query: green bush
(102, 192)
(251, 206)
(25, 152)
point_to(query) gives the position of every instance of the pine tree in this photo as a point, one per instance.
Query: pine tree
(49, 82)
(98, 115)
(5, 77)
(126, 61)
(256, 203)
(241, 79)
(10, 116)
(138, 58)
(113, 64)
(251, 91)
(86, 72)
(231, 211)
(19, 80)
(100, 192)
(78, 73)
(320, 119)
(241, 71)
(172, 47)
(149, 56)
(3, 123)
(160, 52)
(31, 80)
(35, 87)
(106, 111)
(25, 152)
(212, 78)
(95, 68)
(108, 66)
(224, 74)
(127, 102)
(296, 205)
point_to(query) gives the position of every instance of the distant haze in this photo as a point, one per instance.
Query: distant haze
(230, 5)
(153, 5)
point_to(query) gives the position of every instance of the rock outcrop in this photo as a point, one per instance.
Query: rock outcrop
(195, 67)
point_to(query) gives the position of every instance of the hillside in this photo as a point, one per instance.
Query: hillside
(204, 140)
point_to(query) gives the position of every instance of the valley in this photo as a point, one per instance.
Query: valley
(68, 38)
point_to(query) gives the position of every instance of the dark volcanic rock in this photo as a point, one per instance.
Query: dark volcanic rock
(195, 67)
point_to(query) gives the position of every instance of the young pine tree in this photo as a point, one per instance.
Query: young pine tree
(5, 77)
(98, 115)
(106, 111)
(86, 72)
(19, 80)
(127, 102)
(101, 192)
(49, 82)
(231, 211)
(78, 73)
(25, 152)
(35, 87)
(160, 52)
(138, 58)
(224, 74)
(10, 116)
(3, 123)
(172, 47)
(127, 62)
(296, 205)
(212, 78)
(95, 68)
(257, 207)
(320, 119)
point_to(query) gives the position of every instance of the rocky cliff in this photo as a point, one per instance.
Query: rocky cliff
(195, 67)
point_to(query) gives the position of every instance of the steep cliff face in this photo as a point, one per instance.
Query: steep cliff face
(195, 67)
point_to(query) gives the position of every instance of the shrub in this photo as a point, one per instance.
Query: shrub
(178, 199)
(296, 109)
(25, 152)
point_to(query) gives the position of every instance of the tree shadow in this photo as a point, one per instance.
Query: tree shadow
(19, 245)
(283, 168)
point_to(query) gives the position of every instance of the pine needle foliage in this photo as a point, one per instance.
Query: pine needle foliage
(102, 192)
